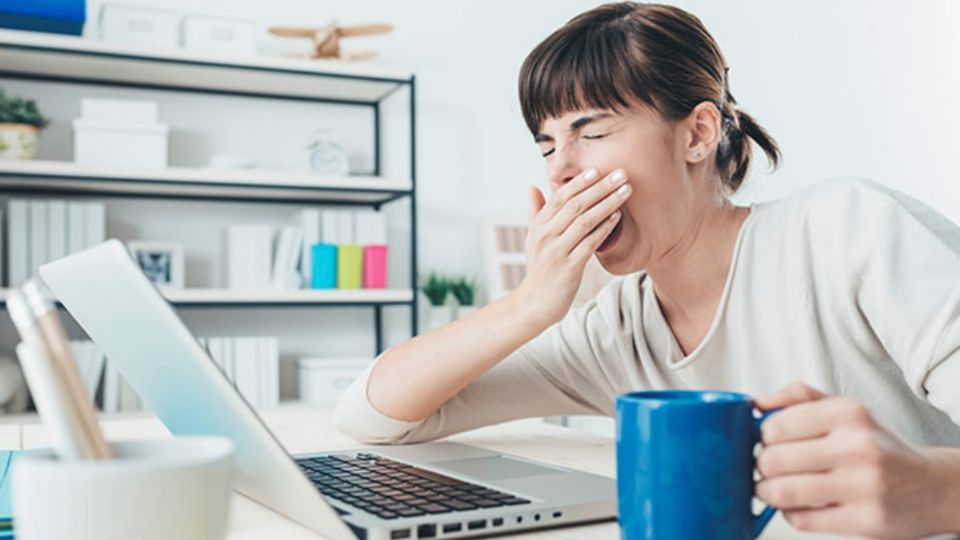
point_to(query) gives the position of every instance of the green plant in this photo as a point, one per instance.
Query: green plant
(18, 110)
(436, 288)
(464, 290)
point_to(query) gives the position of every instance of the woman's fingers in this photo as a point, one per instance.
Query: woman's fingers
(537, 202)
(592, 241)
(584, 200)
(591, 219)
(565, 193)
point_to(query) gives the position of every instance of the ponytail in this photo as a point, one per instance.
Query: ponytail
(735, 151)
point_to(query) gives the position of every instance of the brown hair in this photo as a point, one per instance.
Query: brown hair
(617, 54)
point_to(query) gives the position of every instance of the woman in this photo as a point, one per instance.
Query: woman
(850, 287)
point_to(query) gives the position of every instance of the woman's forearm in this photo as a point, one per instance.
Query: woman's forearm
(415, 378)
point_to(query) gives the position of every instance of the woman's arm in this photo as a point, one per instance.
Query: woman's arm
(415, 378)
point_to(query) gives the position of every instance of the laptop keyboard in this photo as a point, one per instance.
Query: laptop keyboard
(391, 490)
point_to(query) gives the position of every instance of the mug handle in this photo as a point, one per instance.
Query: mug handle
(760, 521)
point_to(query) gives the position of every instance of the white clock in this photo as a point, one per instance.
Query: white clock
(327, 156)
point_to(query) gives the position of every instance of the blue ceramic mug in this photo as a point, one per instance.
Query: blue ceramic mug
(685, 465)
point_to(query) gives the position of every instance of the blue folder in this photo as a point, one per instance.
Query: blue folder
(6, 514)
(57, 16)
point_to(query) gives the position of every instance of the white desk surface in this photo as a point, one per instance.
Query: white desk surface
(302, 428)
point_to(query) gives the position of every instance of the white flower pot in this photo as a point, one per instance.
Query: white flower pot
(438, 316)
(18, 141)
(463, 311)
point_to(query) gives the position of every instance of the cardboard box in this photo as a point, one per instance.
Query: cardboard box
(204, 33)
(139, 26)
(142, 146)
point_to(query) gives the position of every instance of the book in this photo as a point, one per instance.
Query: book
(96, 223)
(287, 259)
(18, 258)
(38, 236)
(310, 224)
(56, 230)
(324, 266)
(349, 266)
(249, 250)
(76, 226)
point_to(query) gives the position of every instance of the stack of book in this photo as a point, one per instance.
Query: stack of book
(344, 249)
(41, 231)
(327, 249)
(251, 364)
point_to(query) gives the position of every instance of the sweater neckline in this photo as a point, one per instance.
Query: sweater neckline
(675, 358)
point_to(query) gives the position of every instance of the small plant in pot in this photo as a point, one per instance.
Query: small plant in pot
(20, 125)
(436, 288)
(465, 291)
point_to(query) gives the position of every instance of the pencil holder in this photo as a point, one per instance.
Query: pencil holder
(177, 488)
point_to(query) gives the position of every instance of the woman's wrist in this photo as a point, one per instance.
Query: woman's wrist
(531, 314)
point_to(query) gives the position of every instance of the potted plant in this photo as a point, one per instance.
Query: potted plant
(20, 123)
(436, 288)
(464, 290)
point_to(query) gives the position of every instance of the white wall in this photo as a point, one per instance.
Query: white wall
(847, 88)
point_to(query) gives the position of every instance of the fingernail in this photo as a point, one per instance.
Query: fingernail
(590, 175)
(623, 190)
(618, 176)
(615, 216)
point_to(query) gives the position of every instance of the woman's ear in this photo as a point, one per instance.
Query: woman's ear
(703, 124)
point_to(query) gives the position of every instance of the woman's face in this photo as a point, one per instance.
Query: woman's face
(666, 199)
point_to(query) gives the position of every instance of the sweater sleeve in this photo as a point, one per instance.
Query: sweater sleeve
(908, 288)
(554, 374)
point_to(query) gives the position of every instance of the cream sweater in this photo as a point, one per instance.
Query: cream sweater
(848, 286)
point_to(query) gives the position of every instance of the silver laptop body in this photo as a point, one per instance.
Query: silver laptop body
(139, 332)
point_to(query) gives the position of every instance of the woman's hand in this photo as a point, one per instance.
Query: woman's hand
(563, 234)
(829, 466)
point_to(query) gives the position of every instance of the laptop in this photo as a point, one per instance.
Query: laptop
(433, 490)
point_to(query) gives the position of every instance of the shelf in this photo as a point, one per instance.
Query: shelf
(64, 177)
(73, 59)
(186, 298)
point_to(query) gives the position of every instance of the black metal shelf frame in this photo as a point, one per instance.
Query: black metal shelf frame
(374, 105)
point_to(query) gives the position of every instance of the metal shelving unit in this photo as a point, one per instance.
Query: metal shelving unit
(53, 58)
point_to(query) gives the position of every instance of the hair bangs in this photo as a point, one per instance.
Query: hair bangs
(588, 68)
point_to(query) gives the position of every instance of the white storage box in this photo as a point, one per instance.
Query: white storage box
(142, 146)
(203, 33)
(322, 380)
(139, 26)
(126, 111)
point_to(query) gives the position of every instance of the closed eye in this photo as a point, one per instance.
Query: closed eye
(547, 153)
(595, 137)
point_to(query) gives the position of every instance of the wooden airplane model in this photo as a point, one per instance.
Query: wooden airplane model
(326, 39)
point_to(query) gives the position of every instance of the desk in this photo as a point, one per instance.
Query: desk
(302, 428)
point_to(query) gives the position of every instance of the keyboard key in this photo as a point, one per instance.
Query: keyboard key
(487, 503)
(434, 508)
(514, 501)
(460, 505)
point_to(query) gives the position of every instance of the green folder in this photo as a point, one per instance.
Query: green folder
(349, 266)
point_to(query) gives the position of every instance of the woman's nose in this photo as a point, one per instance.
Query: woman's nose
(562, 169)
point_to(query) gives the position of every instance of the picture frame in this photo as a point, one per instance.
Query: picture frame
(161, 262)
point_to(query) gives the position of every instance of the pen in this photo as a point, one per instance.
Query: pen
(61, 359)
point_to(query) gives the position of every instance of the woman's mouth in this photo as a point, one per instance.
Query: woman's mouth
(611, 238)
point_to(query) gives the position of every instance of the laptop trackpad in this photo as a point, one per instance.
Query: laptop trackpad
(495, 468)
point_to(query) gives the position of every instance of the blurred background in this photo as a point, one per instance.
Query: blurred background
(854, 88)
